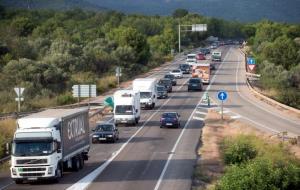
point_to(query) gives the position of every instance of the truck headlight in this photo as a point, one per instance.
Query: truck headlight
(109, 136)
(14, 171)
(50, 170)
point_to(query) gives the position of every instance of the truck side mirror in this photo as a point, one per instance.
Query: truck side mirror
(58, 150)
(154, 96)
(136, 111)
(93, 130)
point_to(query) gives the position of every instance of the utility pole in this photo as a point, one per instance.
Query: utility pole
(179, 38)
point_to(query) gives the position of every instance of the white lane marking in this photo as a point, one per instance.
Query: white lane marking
(224, 111)
(262, 108)
(198, 118)
(200, 112)
(2, 188)
(183, 130)
(85, 182)
(236, 117)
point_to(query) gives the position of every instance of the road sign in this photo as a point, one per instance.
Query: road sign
(222, 95)
(251, 63)
(199, 27)
(19, 99)
(19, 91)
(84, 90)
(109, 101)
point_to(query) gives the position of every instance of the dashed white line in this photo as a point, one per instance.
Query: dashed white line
(198, 118)
(200, 112)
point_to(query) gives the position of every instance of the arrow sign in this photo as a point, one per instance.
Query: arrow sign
(222, 95)
(251, 61)
(19, 91)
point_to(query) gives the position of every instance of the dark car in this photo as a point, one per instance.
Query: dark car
(167, 83)
(170, 119)
(212, 66)
(161, 91)
(105, 132)
(195, 84)
(172, 78)
(205, 51)
(185, 68)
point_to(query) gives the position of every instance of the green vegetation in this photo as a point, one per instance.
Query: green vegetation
(277, 49)
(7, 129)
(48, 51)
(258, 165)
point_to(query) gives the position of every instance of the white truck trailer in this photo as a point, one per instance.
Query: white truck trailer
(148, 94)
(127, 107)
(48, 142)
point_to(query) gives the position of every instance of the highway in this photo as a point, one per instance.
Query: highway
(148, 157)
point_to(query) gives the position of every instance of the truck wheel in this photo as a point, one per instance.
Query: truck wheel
(58, 174)
(75, 164)
(81, 162)
(18, 181)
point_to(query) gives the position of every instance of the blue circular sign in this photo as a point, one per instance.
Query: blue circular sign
(222, 95)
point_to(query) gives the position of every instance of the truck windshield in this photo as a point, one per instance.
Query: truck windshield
(124, 110)
(32, 148)
(145, 94)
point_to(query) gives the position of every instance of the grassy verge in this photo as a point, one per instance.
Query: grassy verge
(234, 155)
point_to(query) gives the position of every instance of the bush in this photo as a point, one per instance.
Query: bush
(106, 83)
(64, 99)
(261, 174)
(238, 150)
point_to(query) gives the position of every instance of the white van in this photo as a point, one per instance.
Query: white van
(216, 56)
(148, 94)
(191, 58)
(127, 107)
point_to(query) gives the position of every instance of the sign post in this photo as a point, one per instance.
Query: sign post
(19, 91)
(118, 75)
(222, 95)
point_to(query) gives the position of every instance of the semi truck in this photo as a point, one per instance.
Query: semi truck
(127, 107)
(148, 94)
(49, 142)
(202, 71)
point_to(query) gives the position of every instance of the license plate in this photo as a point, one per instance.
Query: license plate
(102, 139)
(194, 84)
(32, 178)
(169, 124)
(123, 121)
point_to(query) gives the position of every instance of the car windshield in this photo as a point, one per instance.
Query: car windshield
(124, 110)
(160, 88)
(194, 81)
(104, 128)
(172, 115)
(22, 148)
(145, 94)
(184, 66)
(191, 57)
(176, 71)
(169, 76)
(164, 82)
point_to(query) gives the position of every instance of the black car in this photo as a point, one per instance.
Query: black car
(105, 132)
(170, 119)
(161, 91)
(167, 83)
(205, 51)
(195, 84)
(185, 68)
(212, 67)
(172, 78)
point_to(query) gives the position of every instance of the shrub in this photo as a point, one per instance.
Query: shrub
(238, 150)
(106, 83)
(261, 174)
(64, 99)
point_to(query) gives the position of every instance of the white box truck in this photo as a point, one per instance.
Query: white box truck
(48, 142)
(127, 107)
(148, 94)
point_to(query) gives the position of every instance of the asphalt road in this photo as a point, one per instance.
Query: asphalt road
(148, 157)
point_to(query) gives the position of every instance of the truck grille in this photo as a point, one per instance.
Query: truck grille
(33, 169)
(32, 174)
(32, 161)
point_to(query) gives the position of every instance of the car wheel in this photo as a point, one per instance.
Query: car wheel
(18, 181)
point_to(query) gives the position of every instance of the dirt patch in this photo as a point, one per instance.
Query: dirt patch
(210, 166)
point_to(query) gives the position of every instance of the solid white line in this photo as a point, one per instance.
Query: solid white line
(2, 188)
(183, 130)
(236, 117)
(85, 182)
(198, 118)
(256, 105)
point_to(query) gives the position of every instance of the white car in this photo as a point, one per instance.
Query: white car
(177, 73)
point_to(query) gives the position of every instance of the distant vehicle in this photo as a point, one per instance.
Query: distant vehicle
(177, 73)
(195, 84)
(185, 68)
(212, 66)
(167, 83)
(202, 71)
(222, 43)
(172, 78)
(191, 62)
(127, 107)
(205, 51)
(216, 56)
(214, 46)
(146, 87)
(48, 142)
(191, 58)
(200, 56)
(161, 91)
(105, 132)
(170, 119)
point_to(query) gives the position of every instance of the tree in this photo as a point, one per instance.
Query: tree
(179, 13)
(22, 26)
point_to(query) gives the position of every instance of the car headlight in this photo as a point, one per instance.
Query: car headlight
(14, 171)
(95, 136)
(50, 170)
(109, 136)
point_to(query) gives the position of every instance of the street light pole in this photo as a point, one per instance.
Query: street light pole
(179, 38)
